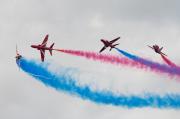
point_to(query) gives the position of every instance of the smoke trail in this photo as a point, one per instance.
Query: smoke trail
(152, 65)
(135, 62)
(168, 61)
(103, 58)
(64, 81)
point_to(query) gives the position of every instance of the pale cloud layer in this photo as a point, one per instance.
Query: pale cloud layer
(79, 24)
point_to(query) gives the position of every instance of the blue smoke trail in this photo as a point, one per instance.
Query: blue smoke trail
(63, 81)
(151, 64)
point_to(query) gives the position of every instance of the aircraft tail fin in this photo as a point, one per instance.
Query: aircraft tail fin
(51, 48)
(163, 54)
(113, 46)
(161, 48)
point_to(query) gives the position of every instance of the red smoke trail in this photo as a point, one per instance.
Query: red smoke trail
(104, 58)
(168, 61)
(116, 60)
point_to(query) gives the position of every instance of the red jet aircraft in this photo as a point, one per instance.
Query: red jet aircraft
(157, 49)
(18, 56)
(42, 47)
(109, 44)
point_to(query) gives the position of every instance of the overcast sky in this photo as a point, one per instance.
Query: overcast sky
(79, 24)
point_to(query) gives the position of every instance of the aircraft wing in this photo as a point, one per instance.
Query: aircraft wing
(114, 40)
(42, 55)
(102, 49)
(45, 41)
(104, 42)
(150, 47)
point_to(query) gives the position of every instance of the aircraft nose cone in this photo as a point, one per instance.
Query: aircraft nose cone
(32, 46)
